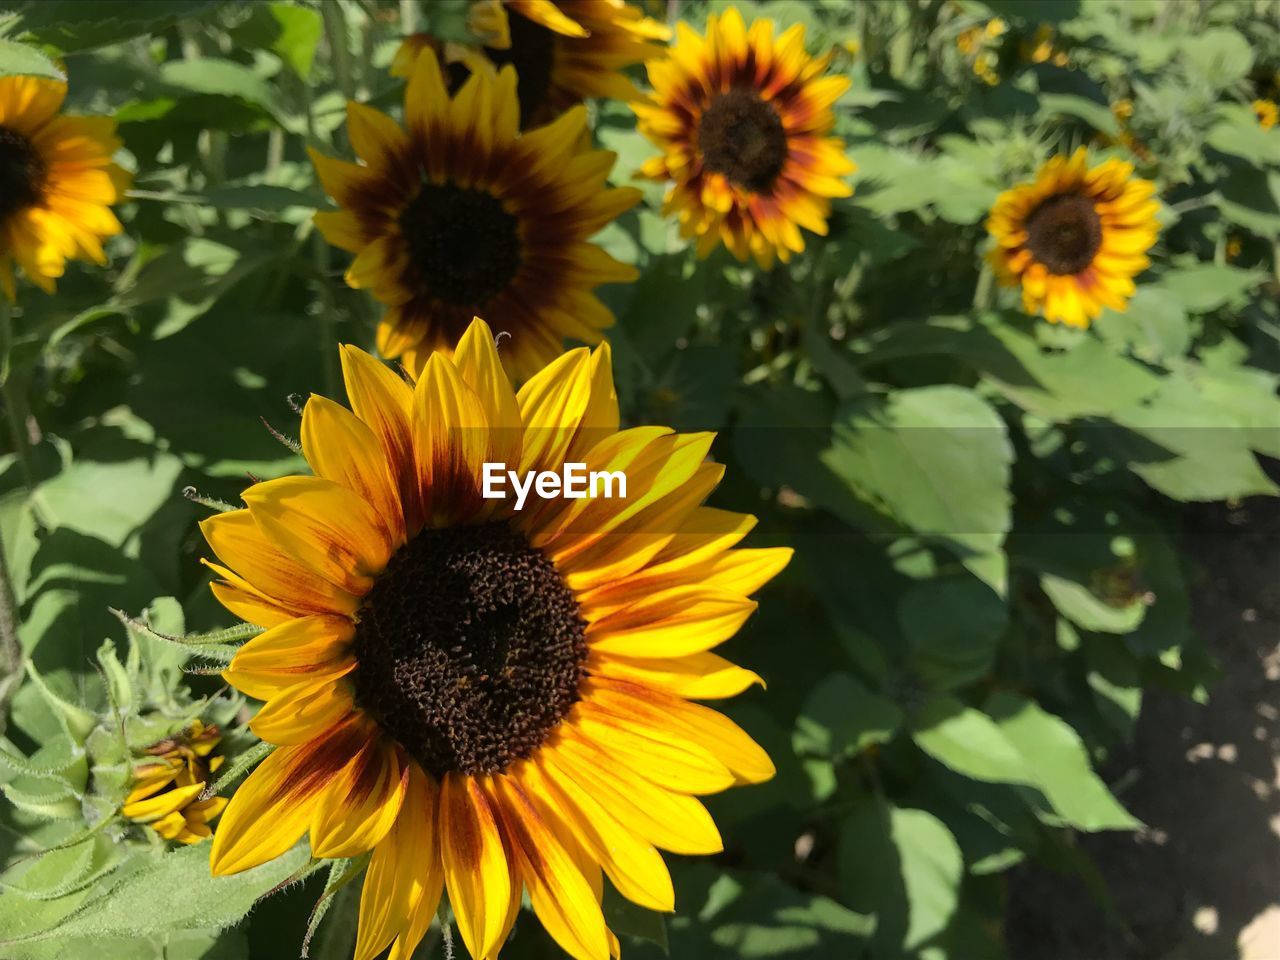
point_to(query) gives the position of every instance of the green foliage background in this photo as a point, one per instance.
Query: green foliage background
(985, 581)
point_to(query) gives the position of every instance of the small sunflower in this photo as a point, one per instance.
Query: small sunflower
(1267, 112)
(1075, 238)
(57, 183)
(563, 52)
(461, 216)
(742, 118)
(167, 784)
(492, 699)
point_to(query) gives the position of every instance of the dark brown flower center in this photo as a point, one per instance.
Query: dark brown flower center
(532, 52)
(742, 137)
(22, 173)
(1064, 233)
(463, 245)
(470, 648)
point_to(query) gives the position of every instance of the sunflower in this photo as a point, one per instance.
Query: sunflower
(1075, 238)
(461, 216)
(741, 119)
(563, 52)
(492, 699)
(1267, 112)
(57, 183)
(168, 782)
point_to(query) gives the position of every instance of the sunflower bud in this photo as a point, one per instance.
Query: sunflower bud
(170, 779)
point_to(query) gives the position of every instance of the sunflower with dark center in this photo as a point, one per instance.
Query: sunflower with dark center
(742, 120)
(563, 52)
(1075, 238)
(459, 215)
(57, 183)
(491, 700)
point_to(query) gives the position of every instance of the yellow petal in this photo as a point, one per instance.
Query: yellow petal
(340, 447)
(162, 805)
(377, 138)
(669, 759)
(302, 712)
(700, 676)
(712, 731)
(475, 864)
(239, 542)
(476, 358)
(552, 403)
(327, 527)
(632, 864)
(298, 651)
(561, 897)
(383, 400)
(450, 439)
(275, 804)
(361, 803)
(668, 820)
(671, 623)
(403, 883)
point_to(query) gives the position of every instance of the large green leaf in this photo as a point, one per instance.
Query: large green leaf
(969, 742)
(933, 459)
(1208, 286)
(953, 624)
(18, 59)
(904, 866)
(842, 717)
(174, 891)
(1059, 764)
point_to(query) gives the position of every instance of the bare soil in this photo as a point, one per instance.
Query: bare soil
(1202, 881)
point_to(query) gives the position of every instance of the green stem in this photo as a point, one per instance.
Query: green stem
(10, 648)
(335, 29)
(408, 16)
(982, 293)
(15, 405)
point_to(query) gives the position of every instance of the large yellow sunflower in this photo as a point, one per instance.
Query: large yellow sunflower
(460, 216)
(57, 183)
(168, 782)
(1075, 238)
(492, 699)
(742, 118)
(563, 52)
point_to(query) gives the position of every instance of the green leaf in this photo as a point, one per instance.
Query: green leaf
(953, 624)
(175, 891)
(1208, 286)
(1088, 378)
(969, 742)
(1220, 55)
(72, 25)
(934, 459)
(1154, 325)
(636, 923)
(1092, 112)
(738, 915)
(290, 31)
(1059, 764)
(1188, 448)
(18, 59)
(225, 78)
(841, 717)
(1079, 604)
(904, 866)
